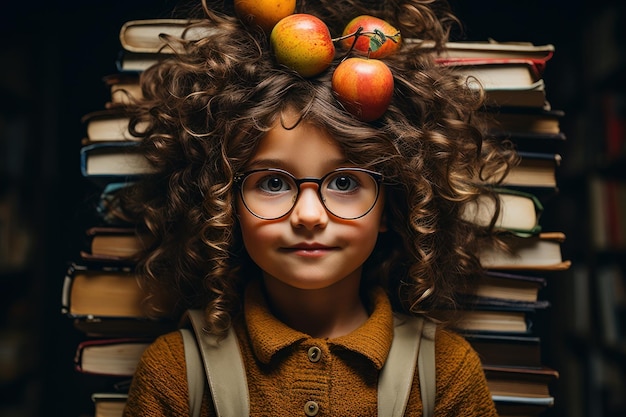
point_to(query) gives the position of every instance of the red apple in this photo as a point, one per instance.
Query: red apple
(370, 42)
(364, 87)
(263, 13)
(303, 43)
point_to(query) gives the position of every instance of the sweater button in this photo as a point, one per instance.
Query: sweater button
(315, 354)
(311, 408)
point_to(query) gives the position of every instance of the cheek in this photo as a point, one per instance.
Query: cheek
(256, 233)
(369, 235)
(364, 233)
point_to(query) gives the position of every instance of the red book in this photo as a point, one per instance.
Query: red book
(110, 357)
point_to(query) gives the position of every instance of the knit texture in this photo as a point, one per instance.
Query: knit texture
(282, 378)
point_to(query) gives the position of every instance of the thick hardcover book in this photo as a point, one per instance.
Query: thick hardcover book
(112, 244)
(523, 120)
(533, 96)
(535, 253)
(107, 291)
(511, 287)
(490, 320)
(107, 125)
(146, 35)
(496, 74)
(492, 49)
(507, 349)
(110, 357)
(109, 404)
(106, 300)
(107, 162)
(519, 211)
(536, 171)
(520, 381)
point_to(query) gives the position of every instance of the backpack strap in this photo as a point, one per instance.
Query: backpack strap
(224, 370)
(222, 360)
(195, 379)
(426, 368)
(411, 345)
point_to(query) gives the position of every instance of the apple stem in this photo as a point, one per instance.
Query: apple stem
(356, 35)
(361, 32)
(377, 34)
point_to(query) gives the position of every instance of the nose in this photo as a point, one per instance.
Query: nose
(309, 212)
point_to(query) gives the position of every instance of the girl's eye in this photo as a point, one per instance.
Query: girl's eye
(343, 182)
(273, 184)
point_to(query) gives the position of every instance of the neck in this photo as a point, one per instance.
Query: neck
(321, 313)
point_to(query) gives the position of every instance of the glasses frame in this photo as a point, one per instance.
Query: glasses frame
(240, 178)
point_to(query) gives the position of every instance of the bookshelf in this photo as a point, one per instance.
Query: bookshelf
(598, 162)
(21, 199)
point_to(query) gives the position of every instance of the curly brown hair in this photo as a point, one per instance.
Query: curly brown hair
(208, 107)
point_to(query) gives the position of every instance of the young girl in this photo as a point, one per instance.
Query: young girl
(282, 215)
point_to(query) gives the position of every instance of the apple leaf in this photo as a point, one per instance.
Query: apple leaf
(377, 40)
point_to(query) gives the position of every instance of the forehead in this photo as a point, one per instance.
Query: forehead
(304, 150)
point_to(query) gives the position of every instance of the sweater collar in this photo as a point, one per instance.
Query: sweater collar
(269, 335)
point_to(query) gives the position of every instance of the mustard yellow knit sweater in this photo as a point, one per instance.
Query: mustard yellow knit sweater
(282, 377)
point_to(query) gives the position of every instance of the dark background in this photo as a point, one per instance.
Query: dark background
(53, 57)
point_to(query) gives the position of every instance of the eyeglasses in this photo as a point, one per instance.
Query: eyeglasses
(347, 193)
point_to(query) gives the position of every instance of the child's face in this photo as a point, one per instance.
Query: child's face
(308, 247)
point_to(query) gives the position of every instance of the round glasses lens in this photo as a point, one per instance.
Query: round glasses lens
(269, 194)
(349, 194)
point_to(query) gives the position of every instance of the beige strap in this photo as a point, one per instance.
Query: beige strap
(224, 369)
(230, 396)
(396, 377)
(426, 368)
(195, 376)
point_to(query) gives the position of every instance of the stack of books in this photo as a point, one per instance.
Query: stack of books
(108, 151)
(101, 295)
(510, 73)
(498, 320)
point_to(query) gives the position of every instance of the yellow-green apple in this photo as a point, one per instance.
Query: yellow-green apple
(302, 42)
(377, 38)
(364, 87)
(263, 13)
